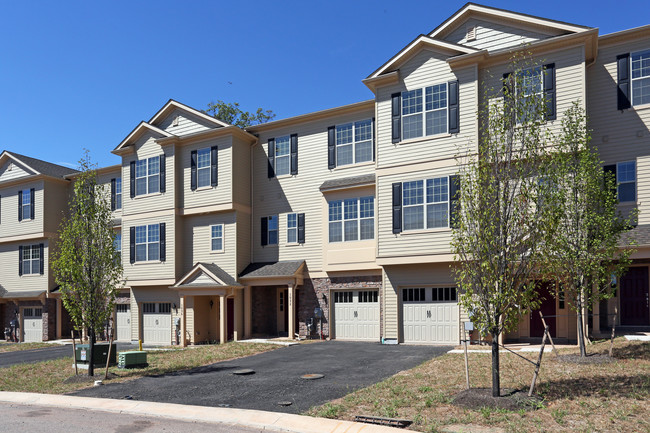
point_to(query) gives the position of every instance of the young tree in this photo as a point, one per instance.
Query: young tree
(499, 227)
(86, 264)
(230, 112)
(585, 250)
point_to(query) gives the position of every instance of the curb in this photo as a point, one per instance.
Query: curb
(271, 421)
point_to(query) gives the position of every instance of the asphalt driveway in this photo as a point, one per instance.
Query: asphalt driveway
(346, 366)
(45, 354)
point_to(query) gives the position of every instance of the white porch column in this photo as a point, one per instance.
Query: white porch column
(183, 324)
(292, 313)
(248, 312)
(237, 315)
(223, 320)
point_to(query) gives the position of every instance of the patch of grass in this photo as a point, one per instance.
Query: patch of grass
(559, 414)
(16, 347)
(50, 376)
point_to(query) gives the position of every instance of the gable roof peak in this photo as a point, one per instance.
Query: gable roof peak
(172, 104)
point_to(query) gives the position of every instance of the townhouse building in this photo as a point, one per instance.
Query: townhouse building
(342, 217)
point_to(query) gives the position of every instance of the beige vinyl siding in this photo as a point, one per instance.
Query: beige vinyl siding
(152, 294)
(154, 270)
(197, 241)
(397, 277)
(208, 195)
(135, 318)
(105, 180)
(427, 68)
(243, 241)
(409, 243)
(146, 147)
(299, 194)
(189, 319)
(493, 35)
(17, 171)
(187, 123)
(57, 197)
(241, 172)
(9, 257)
(9, 224)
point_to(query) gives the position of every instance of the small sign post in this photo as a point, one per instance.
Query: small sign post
(469, 327)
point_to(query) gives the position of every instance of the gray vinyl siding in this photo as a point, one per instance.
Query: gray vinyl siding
(9, 224)
(154, 270)
(207, 196)
(146, 147)
(494, 36)
(17, 171)
(197, 241)
(9, 257)
(241, 172)
(300, 194)
(243, 221)
(427, 68)
(187, 123)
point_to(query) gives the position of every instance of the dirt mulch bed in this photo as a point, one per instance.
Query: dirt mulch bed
(594, 358)
(513, 400)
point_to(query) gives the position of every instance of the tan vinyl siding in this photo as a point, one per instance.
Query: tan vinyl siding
(105, 180)
(243, 241)
(494, 36)
(208, 195)
(241, 172)
(17, 171)
(300, 194)
(427, 68)
(135, 318)
(154, 270)
(9, 224)
(9, 257)
(197, 241)
(187, 123)
(57, 197)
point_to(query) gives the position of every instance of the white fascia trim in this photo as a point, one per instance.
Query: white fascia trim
(194, 271)
(137, 130)
(171, 103)
(9, 155)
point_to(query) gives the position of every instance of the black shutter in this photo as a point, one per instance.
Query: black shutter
(623, 92)
(32, 205)
(374, 142)
(508, 96)
(396, 118)
(611, 169)
(294, 154)
(163, 243)
(271, 168)
(331, 147)
(214, 173)
(193, 171)
(163, 171)
(20, 260)
(549, 91)
(41, 250)
(454, 115)
(454, 200)
(265, 231)
(132, 245)
(397, 207)
(113, 194)
(301, 228)
(132, 179)
(20, 205)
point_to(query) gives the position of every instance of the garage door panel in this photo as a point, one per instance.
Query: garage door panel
(156, 323)
(430, 315)
(356, 315)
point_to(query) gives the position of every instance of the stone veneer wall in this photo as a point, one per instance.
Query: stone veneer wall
(49, 315)
(315, 292)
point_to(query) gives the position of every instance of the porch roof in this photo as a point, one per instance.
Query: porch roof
(640, 233)
(286, 269)
(21, 294)
(206, 275)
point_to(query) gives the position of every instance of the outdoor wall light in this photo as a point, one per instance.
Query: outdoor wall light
(211, 303)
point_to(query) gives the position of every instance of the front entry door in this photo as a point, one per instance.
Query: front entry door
(634, 297)
(547, 307)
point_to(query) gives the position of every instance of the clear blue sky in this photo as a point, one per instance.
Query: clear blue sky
(82, 74)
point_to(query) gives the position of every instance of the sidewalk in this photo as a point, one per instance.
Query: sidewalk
(271, 421)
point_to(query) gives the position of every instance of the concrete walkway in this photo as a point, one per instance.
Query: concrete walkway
(255, 419)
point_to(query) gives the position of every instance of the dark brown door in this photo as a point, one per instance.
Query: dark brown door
(634, 297)
(230, 322)
(547, 307)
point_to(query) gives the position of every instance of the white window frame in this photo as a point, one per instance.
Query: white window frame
(34, 258)
(117, 242)
(27, 204)
(527, 74)
(640, 78)
(423, 201)
(203, 168)
(278, 156)
(292, 228)
(423, 94)
(118, 193)
(214, 238)
(341, 219)
(149, 175)
(148, 242)
(274, 219)
(625, 182)
(353, 142)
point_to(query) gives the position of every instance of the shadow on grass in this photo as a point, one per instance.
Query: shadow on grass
(633, 386)
(636, 351)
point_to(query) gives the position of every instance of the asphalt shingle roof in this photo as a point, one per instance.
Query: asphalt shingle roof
(348, 181)
(44, 167)
(272, 269)
(640, 233)
(220, 273)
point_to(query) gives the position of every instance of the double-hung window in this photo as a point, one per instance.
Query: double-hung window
(117, 243)
(26, 204)
(640, 77)
(203, 167)
(352, 219)
(283, 155)
(531, 94)
(425, 203)
(626, 180)
(424, 117)
(292, 228)
(354, 142)
(118, 193)
(147, 176)
(147, 243)
(31, 259)
(272, 230)
(216, 238)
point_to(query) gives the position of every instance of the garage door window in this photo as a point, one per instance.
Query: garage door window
(342, 297)
(413, 295)
(122, 308)
(443, 294)
(148, 307)
(368, 296)
(165, 308)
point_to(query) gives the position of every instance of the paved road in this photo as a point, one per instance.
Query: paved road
(39, 419)
(347, 366)
(45, 354)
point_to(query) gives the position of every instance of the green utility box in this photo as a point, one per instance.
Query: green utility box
(133, 359)
(100, 353)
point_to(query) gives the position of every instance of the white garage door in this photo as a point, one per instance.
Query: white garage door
(123, 322)
(356, 315)
(32, 325)
(157, 323)
(430, 315)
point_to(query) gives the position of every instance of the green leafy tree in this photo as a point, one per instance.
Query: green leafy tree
(230, 113)
(585, 249)
(499, 228)
(86, 265)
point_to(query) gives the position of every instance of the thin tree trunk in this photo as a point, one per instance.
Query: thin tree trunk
(581, 333)
(496, 385)
(91, 346)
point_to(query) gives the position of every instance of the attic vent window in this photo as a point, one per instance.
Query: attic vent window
(11, 166)
(175, 121)
(471, 34)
